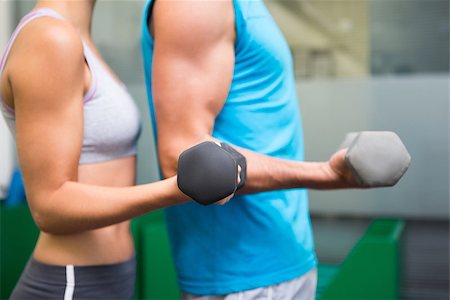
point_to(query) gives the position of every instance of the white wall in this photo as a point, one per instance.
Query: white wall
(416, 107)
(117, 33)
(6, 144)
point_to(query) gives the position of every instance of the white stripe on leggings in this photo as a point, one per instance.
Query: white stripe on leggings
(70, 283)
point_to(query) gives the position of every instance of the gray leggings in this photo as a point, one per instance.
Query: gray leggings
(42, 281)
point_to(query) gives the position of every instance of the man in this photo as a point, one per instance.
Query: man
(221, 70)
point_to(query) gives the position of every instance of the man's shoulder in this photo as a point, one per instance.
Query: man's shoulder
(192, 22)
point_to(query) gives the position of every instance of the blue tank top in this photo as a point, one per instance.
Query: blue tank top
(254, 240)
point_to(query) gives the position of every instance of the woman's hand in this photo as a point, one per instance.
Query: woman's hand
(225, 200)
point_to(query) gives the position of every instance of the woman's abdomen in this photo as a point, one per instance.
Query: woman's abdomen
(105, 245)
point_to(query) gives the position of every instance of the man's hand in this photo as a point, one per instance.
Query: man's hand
(338, 172)
(370, 159)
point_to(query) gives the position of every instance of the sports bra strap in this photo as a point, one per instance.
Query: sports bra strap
(37, 13)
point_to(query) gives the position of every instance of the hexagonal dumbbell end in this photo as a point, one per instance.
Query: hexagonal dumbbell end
(207, 173)
(348, 139)
(376, 158)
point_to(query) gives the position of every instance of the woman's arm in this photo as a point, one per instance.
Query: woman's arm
(46, 74)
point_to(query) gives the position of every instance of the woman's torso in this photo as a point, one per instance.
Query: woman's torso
(111, 129)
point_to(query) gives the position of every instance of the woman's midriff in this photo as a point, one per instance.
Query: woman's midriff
(101, 246)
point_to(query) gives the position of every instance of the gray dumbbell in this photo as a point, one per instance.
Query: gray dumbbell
(376, 158)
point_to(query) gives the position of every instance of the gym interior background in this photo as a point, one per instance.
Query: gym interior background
(360, 65)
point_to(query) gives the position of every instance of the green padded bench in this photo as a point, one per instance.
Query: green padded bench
(371, 269)
(156, 277)
(18, 235)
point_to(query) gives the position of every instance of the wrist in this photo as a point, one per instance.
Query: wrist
(329, 178)
(317, 175)
(175, 191)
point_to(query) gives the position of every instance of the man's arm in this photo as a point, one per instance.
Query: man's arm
(192, 73)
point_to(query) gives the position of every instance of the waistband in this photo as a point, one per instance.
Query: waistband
(84, 275)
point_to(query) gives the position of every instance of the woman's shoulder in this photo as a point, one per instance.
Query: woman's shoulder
(47, 60)
(47, 38)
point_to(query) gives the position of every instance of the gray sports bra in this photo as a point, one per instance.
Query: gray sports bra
(111, 118)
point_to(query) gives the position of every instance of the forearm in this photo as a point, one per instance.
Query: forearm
(265, 173)
(76, 207)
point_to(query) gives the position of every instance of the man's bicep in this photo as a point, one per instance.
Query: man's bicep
(192, 72)
(189, 94)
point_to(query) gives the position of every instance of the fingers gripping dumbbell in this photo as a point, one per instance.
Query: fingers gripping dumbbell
(209, 172)
(376, 158)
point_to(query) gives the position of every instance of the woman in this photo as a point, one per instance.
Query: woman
(76, 130)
